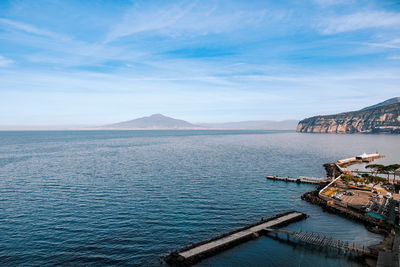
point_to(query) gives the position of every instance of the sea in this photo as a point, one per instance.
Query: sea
(128, 198)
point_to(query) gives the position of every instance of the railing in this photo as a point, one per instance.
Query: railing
(323, 240)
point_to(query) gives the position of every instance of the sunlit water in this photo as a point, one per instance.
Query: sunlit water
(130, 197)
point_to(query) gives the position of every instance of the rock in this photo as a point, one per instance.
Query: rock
(380, 119)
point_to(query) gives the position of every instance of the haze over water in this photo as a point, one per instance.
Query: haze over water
(130, 197)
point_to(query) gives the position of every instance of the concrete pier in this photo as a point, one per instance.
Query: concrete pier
(358, 159)
(197, 252)
(302, 179)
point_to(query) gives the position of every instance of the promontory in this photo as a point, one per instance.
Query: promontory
(380, 118)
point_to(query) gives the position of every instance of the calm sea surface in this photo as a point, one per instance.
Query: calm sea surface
(130, 197)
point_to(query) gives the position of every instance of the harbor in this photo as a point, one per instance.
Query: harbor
(369, 199)
(339, 200)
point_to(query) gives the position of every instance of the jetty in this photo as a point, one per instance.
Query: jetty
(195, 253)
(323, 241)
(301, 179)
(358, 159)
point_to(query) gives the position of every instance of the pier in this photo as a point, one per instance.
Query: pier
(195, 253)
(358, 159)
(301, 179)
(324, 241)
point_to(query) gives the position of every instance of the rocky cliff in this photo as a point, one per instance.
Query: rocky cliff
(380, 119)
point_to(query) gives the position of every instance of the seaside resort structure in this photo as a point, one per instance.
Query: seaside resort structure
(376, 205)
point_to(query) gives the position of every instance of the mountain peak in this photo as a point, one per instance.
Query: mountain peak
(154, 121)
(157, 115)
(390, 101)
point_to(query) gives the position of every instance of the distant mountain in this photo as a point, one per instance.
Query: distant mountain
(384, 103)
(159, 121)
(255, 125)
(380, 118)
(155, 121)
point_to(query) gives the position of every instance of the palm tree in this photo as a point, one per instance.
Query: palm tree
(393, 168)
(386, 170)
(376, 180)
(376, 167)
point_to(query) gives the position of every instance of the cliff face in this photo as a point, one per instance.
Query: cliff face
(381, 119)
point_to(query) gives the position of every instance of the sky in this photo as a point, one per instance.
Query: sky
(98, 62)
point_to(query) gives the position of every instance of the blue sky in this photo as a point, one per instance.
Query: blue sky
(95, 62)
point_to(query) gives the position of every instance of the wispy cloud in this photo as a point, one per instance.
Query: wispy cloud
(187, 18)
(31, 29)
(210, 59)
(211, 96)
(4, 62)
(333, 2)
(60, 49)
(393, 44)
(358, 21)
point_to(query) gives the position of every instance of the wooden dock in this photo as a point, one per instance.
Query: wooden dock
(321, 240)
(195, 253)
(301, 179)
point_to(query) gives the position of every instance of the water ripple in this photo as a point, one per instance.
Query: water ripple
(129, 197)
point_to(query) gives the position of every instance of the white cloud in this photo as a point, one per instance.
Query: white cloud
(394, 44)
(333, 2)
(30, 29)
(4, 62)
(178, 19)
(59, 49)
(208, 94)
(359, 21)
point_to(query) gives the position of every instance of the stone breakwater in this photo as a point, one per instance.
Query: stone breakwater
(382, 119)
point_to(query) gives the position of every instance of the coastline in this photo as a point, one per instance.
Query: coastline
(386, 249)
